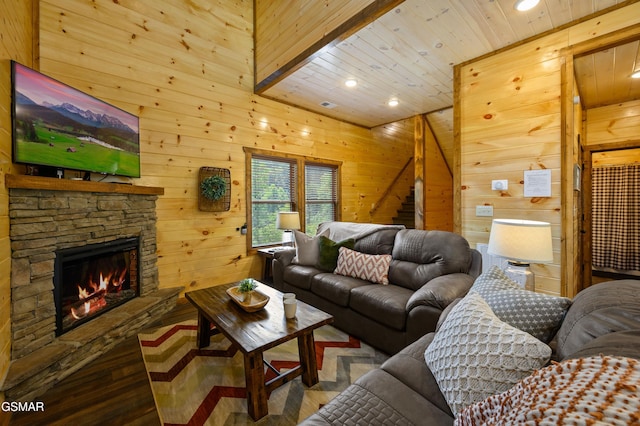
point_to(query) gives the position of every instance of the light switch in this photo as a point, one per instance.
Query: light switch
(484, 211)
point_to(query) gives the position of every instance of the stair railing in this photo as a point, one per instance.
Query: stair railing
(386, 193)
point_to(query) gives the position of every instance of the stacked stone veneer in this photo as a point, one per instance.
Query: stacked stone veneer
(43, 221)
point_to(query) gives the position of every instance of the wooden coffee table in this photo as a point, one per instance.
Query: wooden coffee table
(254, 333)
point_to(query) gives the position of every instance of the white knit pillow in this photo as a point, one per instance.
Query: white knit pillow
(370, 267)
(475, 355)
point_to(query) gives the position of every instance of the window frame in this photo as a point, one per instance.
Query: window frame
(300, 200)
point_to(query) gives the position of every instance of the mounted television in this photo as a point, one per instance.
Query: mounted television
(58, 126)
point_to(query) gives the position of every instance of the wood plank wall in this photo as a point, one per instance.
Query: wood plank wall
(509, 108)
(616, 158)
(613, 123)
(285, 30)
(186, 68)
(433, 180)
(16, 40)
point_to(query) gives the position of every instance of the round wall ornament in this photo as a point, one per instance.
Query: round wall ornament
(213, 187)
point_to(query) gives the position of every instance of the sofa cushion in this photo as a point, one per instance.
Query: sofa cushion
(620, 343)
(409, 367)
(538, 314)
(378, 398)
(307, 248)
(384, 303)
(369, 267)
(597, 390)
(379, 242)
(328, 257)
(336, 288)
(300, 276)
(598, 310)
(419, 256)
(475, 355)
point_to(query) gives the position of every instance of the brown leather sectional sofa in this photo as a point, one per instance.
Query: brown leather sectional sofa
(428, 271)
(603, 320)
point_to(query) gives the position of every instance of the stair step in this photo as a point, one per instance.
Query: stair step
(408, 206)
(405, 215)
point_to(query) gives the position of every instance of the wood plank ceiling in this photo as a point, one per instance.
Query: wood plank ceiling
(603, 76)
(408, 54)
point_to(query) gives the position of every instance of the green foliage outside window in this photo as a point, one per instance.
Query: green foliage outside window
(274, 189)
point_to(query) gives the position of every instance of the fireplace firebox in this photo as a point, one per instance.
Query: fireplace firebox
(92, 279)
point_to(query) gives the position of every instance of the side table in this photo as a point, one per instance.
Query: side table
(267, 254)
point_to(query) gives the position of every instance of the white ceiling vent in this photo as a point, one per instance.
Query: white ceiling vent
(327, 104)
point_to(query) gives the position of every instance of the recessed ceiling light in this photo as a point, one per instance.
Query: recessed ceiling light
(636, 74)
(352, 82)
(524, 5)
(393, 102)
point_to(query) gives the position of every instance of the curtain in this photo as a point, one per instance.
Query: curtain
(616, 217)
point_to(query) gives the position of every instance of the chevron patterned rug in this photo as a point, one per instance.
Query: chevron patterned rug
(206, 386)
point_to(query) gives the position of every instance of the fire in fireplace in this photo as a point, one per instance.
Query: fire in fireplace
(91, 279)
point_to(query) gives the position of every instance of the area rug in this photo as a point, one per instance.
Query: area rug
(206, 386)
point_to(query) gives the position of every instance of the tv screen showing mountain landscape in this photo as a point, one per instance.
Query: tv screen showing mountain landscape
(59, 126)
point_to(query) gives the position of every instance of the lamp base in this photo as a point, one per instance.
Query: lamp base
(522, 274)
(287, 238)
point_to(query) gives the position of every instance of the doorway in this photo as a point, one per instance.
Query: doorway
(609, 261)
(596, 76)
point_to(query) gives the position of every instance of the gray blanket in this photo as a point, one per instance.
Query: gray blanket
(339, 231)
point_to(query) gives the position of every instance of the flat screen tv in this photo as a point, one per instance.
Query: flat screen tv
(58, 126)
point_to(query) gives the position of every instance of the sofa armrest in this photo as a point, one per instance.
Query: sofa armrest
(441, 291)
(281, 259)
(284, 256)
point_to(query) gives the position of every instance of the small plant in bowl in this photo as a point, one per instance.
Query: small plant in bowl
(246, 286)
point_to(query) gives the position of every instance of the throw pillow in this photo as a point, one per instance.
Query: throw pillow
(307, 248)
(538, 314)
(370, 267)
(475, 355)
(328, 257)
(599, 390)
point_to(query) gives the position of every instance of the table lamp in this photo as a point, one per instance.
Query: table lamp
(288, 221)
(521, 242)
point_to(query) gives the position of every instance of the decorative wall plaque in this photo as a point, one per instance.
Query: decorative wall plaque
(214, 189)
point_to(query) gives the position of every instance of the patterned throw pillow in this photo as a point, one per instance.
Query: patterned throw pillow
(370, 267)
(328, 257)
(538, 314)
(475, 355)
(599, 390)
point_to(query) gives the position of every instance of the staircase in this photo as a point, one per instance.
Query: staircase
(406, 215)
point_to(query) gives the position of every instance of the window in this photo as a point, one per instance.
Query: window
(277, 182)
(320, 189)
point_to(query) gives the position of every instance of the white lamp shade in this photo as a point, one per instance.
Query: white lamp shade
(288, 220)
(521, 240)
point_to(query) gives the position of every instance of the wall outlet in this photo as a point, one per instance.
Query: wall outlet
(484, 211)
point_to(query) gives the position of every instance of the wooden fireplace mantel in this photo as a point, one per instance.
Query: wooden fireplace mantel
(53, 184)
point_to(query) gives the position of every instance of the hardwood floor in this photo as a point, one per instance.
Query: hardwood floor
(114, 390)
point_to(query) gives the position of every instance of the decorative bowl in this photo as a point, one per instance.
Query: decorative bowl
(255, 302)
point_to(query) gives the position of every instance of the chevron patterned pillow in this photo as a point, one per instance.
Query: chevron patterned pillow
(370, 267)
(538, 314)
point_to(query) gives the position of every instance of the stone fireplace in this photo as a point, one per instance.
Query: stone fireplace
(53, 219)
